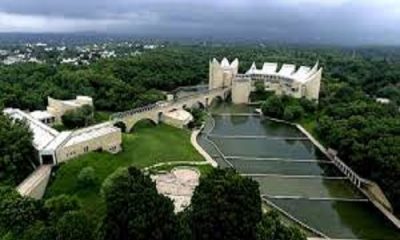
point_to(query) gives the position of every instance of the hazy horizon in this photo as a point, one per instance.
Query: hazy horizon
(343, 22)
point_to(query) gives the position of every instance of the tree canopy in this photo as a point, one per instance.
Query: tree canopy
(134, 208)
(81, 117)
(17, 155)
(225, 205)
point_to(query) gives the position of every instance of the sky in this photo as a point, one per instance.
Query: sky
(325, 21)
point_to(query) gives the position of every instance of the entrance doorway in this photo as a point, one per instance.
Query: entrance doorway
(47, 159)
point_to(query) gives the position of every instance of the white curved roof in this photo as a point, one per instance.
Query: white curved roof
(303, 74)
(270, 68)
(287, 70)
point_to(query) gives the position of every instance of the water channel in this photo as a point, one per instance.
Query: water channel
(293, 174)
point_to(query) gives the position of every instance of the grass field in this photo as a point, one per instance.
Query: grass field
(147, 145)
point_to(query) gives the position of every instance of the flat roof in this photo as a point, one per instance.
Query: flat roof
(89, 133)
(42, 134)
(41, 114)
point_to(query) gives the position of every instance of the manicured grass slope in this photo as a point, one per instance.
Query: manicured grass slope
(144, 147)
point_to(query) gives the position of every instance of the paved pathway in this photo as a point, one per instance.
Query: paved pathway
(35, 184)
(207, 157)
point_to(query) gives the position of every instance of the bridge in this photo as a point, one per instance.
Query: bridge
(155, 111)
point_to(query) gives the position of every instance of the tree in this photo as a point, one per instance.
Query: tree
(293, 112)
(273, 107)
(59, 205)
(18, 213)
(271, 228)
(308, 105)
(74, 225)
(225, 205)
(134, 209)
(87, 177)
(198, 117)
(17, 155)
(80, 117)
(40, 231)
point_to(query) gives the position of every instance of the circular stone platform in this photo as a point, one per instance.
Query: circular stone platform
(178, 185)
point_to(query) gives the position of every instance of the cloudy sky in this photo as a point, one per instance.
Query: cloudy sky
(329, 21)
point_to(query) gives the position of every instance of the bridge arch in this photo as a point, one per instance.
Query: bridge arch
(216, 99)
(121, 125)
(198, 104)
(142, 121)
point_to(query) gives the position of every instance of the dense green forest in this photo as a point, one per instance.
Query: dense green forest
(125, 83)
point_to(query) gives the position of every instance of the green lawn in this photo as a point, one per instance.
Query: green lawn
(146, 146)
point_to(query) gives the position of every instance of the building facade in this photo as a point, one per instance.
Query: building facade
(54, 147)
(58, 108)
(286, 80)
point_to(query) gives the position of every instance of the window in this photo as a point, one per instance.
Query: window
(86, 149)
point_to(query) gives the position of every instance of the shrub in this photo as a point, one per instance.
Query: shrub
(293, 113)
(273, 107)
(87, 177)
(80, 117)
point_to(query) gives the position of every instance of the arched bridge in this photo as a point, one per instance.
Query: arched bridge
(154, 112)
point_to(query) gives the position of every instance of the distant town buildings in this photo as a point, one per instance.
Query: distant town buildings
(74, 55)
(288, 80)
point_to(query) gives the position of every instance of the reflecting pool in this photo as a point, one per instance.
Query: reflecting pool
(293, 174)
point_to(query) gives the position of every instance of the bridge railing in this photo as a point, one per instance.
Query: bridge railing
(134, 111)
(156, 105)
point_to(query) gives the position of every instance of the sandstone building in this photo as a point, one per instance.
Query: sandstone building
(288, 80)
(58, 108)
(54, 147)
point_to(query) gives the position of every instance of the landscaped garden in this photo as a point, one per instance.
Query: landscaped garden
(144, 147)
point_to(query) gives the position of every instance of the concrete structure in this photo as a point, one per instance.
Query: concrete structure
(59, 107)
(178, 185)
(155, 112)
(54, 147)
(178, 118)
(42, 134)
(67, 145)
(35, 184)
(298, 83)
(221, 75)
(44, 116)
(367, 187)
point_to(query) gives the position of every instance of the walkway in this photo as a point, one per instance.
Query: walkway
(193, 140)
(155, 111)
(35, 184)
